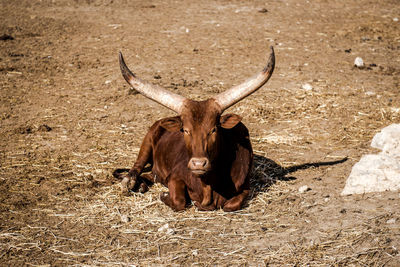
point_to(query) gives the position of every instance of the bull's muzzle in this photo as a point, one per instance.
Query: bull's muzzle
(199, 166)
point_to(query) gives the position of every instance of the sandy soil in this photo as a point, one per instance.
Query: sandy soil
(68, 119)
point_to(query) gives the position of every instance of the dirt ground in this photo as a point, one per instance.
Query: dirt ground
(68, 119)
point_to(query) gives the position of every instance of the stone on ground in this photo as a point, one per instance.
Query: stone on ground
(378, 172)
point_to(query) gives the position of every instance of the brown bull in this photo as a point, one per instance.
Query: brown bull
(200, 155)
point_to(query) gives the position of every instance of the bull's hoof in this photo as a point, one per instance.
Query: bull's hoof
(164, 196)
(124, 186)
(143, 188)
(231, 206)
(202, 207)
(127, 184)
(120, 173)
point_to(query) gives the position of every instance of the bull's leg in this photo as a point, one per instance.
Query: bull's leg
(176, 197)
(236, 202)
(144, 157)
(207, 195)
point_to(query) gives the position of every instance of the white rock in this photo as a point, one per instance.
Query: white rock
(378, 172)
(370, 93)
(125, 218)
(373, 173)
(388, 140)
(307, 87)
(165, 229)
(358, 62)
(395, 19)
(395, 110)
(304, 189)
(391, 221)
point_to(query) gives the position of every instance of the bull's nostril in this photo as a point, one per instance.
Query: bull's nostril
(198, 163)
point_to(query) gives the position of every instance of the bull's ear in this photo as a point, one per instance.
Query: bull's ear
(229, 121)
(171, 124)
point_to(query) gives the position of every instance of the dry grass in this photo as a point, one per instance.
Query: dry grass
(275, 227)
(59, 204)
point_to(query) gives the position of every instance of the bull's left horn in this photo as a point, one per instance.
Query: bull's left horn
(237, 93)
(154, 92)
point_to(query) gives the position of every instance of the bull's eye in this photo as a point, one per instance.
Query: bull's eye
(213, 131)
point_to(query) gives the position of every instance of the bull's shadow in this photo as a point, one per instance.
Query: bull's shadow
(267, 172)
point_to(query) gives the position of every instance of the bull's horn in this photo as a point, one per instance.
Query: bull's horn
(154, 92)
(237, 93)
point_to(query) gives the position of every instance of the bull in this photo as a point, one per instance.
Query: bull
(201, 155)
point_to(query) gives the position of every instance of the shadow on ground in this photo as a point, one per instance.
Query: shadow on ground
(267, 172)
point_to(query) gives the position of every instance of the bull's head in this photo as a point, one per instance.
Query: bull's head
(200, 121)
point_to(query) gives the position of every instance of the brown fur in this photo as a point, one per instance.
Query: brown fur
(200, 132)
